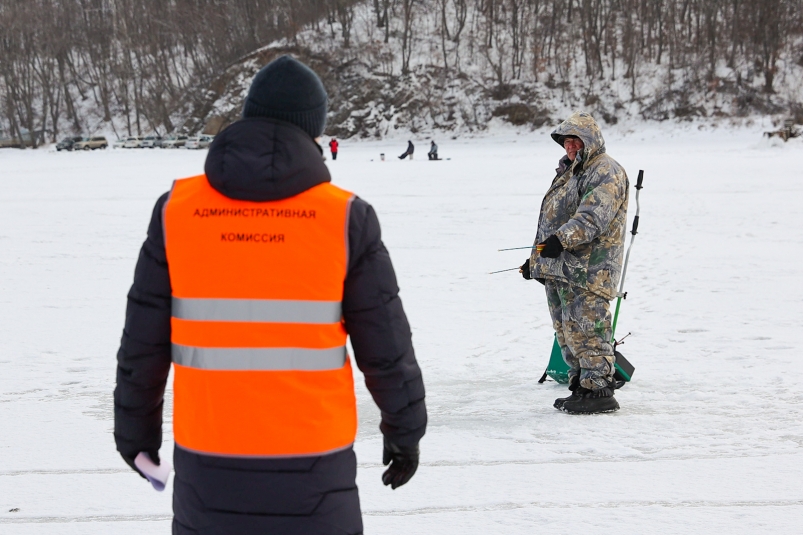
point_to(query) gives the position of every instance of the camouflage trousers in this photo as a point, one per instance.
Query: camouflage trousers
(582, 322)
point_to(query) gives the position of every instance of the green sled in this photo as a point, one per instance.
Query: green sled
(558, 370)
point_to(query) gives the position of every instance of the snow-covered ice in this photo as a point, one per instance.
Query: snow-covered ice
(709, 438)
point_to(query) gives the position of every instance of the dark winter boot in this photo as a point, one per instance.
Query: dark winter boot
(577, 392)
(593, 402)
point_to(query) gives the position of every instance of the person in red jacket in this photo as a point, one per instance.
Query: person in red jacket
(333, 147)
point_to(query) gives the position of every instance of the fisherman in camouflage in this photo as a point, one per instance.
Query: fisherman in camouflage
(578, 256)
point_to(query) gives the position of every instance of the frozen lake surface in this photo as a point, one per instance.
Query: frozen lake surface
(709, 438)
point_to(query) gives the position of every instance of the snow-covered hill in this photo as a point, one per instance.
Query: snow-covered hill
(457, 87)
(392, 67)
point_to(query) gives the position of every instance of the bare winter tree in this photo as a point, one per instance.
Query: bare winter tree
(407, 37)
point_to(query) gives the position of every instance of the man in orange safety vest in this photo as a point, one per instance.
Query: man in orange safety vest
(251, 279)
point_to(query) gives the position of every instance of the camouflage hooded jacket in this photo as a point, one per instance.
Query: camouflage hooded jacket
(586, 208)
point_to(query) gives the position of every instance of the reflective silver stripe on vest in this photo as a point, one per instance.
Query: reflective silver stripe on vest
(259, 359)
(264, 310)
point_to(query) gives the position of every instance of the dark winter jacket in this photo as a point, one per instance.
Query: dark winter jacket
(410, 147)
(263, 160)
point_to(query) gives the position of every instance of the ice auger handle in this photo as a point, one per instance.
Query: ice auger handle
(621, 294)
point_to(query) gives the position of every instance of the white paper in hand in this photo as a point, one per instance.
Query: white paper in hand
(156, 474)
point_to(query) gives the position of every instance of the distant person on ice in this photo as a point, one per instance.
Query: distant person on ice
(250, 280)
(409, 152)
(433, 151)
(333, 148)
(581, 231)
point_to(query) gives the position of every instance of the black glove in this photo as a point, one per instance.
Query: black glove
(552, 247)
(403, 464)
(525, 269)
(129, 460)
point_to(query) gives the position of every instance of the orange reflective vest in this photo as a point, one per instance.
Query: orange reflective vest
(258, 342)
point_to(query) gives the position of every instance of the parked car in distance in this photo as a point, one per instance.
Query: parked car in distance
(96, 142)
(199, 142)
(150, 142)
(67, 143)
(173, 142)
(133, 142)
(119, 144)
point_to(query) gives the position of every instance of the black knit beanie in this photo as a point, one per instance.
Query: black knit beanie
(287, 90)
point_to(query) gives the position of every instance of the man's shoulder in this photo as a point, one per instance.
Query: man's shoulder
(604, 168)
(360, 211)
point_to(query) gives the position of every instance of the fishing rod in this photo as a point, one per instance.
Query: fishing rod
(538, 248)
(503, 270)
(517, 248)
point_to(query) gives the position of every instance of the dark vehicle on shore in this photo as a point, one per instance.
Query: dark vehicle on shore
(67, 143)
